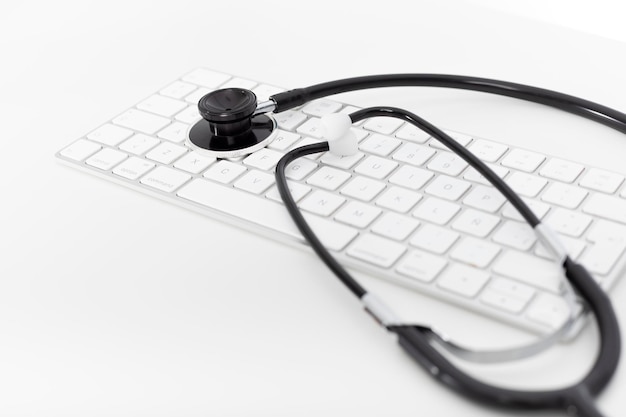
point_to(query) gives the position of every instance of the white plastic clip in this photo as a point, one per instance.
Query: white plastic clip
(336, 130)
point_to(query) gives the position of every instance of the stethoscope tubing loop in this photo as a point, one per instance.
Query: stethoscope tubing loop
(416, 340)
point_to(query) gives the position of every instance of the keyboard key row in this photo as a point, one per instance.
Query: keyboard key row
(263, 212)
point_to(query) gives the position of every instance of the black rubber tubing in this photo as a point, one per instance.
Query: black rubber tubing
(581, 107)
(416, 342)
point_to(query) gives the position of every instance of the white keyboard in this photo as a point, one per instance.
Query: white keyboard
(404, 209)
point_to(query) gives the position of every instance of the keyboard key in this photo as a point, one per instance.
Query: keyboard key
(447, 163)
(357, 214)
(175, 132)
(412, 133)
(342, 162)
(568, 222)
(421, 266)
(362, 188)
(411, 177)
(319, 108)
(561, 170)
(139, 144)
(163, 106)
(264, 212)
(475, 222)
(523, 160)
(507, 295)
(515, 235)
(133, 168)
(321, 202)
(334, 236)
(395, 226)
(206, 78)
(165, 179)
(311, 127)
(384, 125)
(463, 280)
(549, 310)
(398, 199)
(601, 180)
(80, 150)
(375, 167)
(290, 119)
(328, 178)
(487, 151)
(141, 121)
(256, 182)
(564, 195)
(178, 89)
(194, 163)
(297, 191)
(106, 159)
(447, 187)
(264, 159)
(526, 185)
(612, 208)
(224, 171)
(607, 231)
(475, 252)
(436, 211)
(195, 96)
(376, 250)
(529, 269)
(109, 134)
(601, 257)
(190, 115)
(434, 238)
(166, 153)
(379, 145)
(413, 154)
(283, 140)
(485, 198)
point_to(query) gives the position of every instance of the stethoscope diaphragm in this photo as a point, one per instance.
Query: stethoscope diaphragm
(229, 127)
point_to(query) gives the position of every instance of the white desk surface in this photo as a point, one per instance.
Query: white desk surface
(114, 303)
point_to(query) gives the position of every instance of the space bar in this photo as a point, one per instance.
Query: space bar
(266, 213)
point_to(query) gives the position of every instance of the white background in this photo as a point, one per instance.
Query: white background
(600, 17)
(114, 303)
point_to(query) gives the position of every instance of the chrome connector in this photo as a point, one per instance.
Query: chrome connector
(379, 310)
(265, 107)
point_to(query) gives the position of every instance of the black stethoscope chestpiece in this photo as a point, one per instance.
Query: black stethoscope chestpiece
(229, 128)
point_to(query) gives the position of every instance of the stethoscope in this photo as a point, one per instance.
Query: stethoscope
(234, 124)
